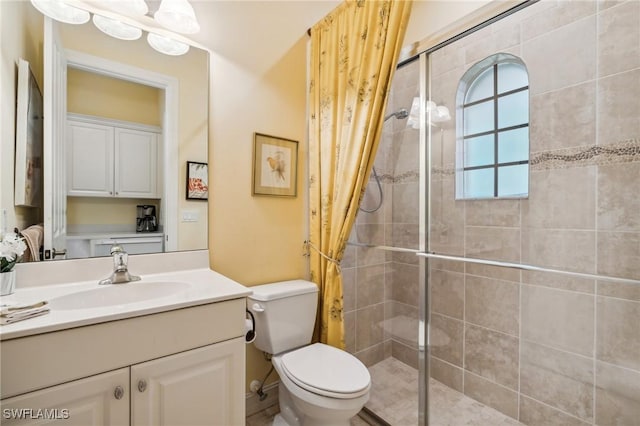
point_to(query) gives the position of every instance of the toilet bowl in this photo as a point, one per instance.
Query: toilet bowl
(319, 385)
(325, 385)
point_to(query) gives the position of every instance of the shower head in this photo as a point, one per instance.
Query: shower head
(399, 114)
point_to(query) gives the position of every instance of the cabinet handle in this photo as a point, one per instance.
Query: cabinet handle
(110, 192)
(142, 385)
(118, 392)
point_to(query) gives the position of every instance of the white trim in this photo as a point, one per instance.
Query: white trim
(169, 161)
(92, 119)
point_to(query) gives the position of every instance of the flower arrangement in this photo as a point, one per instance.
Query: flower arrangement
(11, 249)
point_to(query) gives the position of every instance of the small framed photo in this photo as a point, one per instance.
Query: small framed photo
(197, 181)
(275, 166)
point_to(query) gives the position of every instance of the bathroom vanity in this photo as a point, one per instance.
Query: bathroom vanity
(168, 349)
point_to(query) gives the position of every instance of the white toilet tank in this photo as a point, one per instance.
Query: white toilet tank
(285, 314)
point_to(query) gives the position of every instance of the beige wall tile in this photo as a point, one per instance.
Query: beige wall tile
(446, 265)
(349, 258)
(561, 199)
(402, 283)
(535, 413)
(498, 41)
(348, 289)
(619, 38)
(447, 219)
(371, 200)
(447, 293)
(557, 378)
(404, 235)
(446, 339)
(619, 290)
(492, 303)
(370, 233)
(618, 201)
(408, 258)
(446, 59)
(559, 281)
(561, 58)
(617, 395)
(505, 213)
(369, 331)
(551, 128)
(405, 203)
(558, 318)
(618, 335)
(567, 250)
(491, 394)
(350, 331)
(372, 355)
(369, 256)
(405, 354)
(619, 107)
(493, 243)
(491, 355)
(619, 254)
(555, 14)
(497, 272)
(370, 285)
(446, 373)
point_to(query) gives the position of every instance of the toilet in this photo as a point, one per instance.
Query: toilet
(319, 384)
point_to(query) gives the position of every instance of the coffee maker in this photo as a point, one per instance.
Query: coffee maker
(146, 220)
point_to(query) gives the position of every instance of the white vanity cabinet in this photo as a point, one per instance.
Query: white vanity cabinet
(111, 158)
(98, 400)
(180, 367)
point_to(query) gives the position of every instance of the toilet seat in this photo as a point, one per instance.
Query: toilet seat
(328, 371)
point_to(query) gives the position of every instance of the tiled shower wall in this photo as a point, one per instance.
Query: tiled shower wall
(547, 348)
(381, 287)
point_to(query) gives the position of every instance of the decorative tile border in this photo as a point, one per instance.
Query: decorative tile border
(580, 156)
(594, 155)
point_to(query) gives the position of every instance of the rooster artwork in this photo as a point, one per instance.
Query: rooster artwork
(277, 164)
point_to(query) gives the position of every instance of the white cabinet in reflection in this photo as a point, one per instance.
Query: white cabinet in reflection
(110, 158)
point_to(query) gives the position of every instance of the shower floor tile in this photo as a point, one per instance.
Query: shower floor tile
(394, 397)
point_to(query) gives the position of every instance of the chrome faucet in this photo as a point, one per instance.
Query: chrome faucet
(120, 273)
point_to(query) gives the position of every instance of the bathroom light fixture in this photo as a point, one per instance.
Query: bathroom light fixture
(116, 29)
(167, 45)
(178, 16)
(127, 7)
(60, 11)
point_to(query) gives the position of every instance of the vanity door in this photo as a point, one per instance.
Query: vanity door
(100, 400)
(197, 387)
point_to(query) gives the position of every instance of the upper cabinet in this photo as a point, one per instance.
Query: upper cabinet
(109, 158)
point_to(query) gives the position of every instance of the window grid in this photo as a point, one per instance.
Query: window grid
(496, 130)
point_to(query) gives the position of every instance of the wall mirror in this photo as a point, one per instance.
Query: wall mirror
(124, 122)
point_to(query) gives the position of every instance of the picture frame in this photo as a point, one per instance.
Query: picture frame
(29, 140)
(275, 166)
(197, 181)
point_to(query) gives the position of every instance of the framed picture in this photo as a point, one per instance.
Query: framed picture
(275, 166)
(29, 140)
(197, 181)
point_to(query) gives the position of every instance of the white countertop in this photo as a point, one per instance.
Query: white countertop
(205, 286)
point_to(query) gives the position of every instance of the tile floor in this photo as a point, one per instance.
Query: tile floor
(394, 397)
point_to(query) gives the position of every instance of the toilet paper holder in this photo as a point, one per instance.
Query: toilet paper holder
(250, 328)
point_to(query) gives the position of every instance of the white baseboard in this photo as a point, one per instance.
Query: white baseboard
(253, 403)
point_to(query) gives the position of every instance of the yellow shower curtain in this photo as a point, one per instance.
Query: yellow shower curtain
(354, 51)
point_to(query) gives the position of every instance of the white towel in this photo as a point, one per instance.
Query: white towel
(14, 313)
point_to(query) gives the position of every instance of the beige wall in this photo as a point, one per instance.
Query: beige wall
(17, 41)
(256, 240)
(93, 94)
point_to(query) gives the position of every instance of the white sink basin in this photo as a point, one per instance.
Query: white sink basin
(118, 294)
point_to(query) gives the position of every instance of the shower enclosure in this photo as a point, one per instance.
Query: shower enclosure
(530, 302)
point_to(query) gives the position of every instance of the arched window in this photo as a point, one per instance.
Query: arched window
(492, 129)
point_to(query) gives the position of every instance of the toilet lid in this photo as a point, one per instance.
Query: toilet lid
(326, 370)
